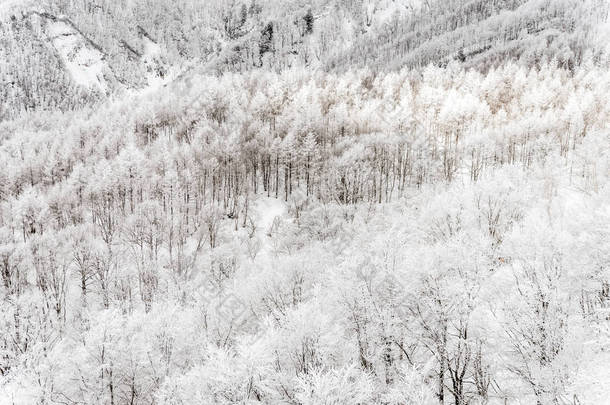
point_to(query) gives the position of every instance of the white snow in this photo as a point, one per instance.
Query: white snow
(151, 58)
(84, 63)
(151, 49)
(383, 11)
(8, 7)
(267, 210)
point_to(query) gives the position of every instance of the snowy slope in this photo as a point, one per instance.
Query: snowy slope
(268, 210)
(8, 7)
(84, 63)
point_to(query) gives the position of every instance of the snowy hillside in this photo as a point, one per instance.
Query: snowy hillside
(215, 37)
(84, 63)
(344, 202)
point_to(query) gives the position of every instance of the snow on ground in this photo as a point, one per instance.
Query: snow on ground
(383, 12)
(151, 51)
(591, 384)
(267, 210)
(84, 63)
(602, 35)
(153, 61)
(9, 7)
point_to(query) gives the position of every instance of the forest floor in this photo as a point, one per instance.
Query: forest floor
(267, 210)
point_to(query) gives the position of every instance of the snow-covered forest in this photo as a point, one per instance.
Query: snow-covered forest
(343, 202)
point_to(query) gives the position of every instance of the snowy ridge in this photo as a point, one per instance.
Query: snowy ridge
(84, 63)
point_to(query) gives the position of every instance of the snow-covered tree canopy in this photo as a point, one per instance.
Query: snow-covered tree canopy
(64, 54)
(324, 202)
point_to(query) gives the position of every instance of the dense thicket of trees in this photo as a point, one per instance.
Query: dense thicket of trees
(32, 76)
(312, 238)
(482, 34)
(242, 35)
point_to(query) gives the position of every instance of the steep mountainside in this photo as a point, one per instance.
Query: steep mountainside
(81, 52)
(486, 33)
(276, 202)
